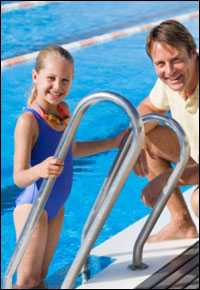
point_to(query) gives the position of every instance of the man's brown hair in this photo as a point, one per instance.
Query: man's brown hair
(172, 33)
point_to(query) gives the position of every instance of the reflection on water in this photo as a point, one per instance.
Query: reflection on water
(95, 265)
(9, 193)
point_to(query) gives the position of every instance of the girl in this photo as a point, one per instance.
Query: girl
(37, 135)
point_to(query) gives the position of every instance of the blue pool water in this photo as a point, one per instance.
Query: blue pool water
(68, 22)
(120, 66)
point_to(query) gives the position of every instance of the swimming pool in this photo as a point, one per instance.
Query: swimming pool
(120, 66)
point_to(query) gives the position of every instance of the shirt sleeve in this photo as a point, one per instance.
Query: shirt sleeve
(158, 96)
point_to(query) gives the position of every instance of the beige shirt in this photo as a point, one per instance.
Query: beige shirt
(186, 113)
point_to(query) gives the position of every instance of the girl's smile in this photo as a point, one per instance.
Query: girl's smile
(54, 80)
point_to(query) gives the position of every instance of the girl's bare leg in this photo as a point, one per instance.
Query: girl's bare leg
(29, 270)
(54, 230)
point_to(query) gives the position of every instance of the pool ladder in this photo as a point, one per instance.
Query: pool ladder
(122, 166)
(167, 190)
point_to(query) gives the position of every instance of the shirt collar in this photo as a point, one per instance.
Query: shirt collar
(192, 103)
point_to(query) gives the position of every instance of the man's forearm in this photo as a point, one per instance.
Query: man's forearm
(190, 175)
(146, 108)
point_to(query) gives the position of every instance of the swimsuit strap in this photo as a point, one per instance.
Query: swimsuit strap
(35, 113)
(49, 117)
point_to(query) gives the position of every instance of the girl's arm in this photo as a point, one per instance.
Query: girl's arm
(93, 147)
(26, 133)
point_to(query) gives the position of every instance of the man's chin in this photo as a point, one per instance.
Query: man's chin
(176, 87)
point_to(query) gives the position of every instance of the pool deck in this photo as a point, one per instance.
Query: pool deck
(156, 255)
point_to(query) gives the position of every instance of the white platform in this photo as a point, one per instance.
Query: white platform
(120, 247)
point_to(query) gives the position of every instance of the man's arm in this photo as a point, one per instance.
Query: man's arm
(152, 190)
(146, 107)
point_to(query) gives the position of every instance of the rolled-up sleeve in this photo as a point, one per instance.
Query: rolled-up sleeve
(158, 96)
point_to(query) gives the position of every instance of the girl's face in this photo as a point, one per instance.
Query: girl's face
(54, 80)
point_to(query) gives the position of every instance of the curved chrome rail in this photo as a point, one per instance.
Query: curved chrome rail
(101, 198)
(120, 172)
(167, 190)
(112, 186)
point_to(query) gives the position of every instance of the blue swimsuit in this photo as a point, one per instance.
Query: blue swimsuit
(45, 147)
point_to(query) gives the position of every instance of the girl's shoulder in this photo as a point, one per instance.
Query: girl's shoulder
(26, 129)
(27, 116)
(27, 121)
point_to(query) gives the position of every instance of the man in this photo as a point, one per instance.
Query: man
(172, 50)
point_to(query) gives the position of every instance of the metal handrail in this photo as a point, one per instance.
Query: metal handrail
(167, 190)
(85, 273)
(109, 192)
(106, 185)
(102, 195)
(60, 153)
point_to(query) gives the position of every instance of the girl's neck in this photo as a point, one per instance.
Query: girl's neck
(49, 108)
(53, 114)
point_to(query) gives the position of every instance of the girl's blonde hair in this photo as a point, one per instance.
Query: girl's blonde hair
(39, 64)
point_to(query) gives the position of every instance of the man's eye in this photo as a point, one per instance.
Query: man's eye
(177, 60)
(160, 64)
(65, 81)
(51, 78)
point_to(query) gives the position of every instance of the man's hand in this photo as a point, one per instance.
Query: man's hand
(141, 168)
(153, 189)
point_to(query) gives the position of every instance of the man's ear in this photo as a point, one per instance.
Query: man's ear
(194, 53)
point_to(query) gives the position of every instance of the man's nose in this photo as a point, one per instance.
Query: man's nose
(169, 69)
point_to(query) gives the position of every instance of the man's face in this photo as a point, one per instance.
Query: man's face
(173, 66)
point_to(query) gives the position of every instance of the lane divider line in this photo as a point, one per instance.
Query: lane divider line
(97, 39)
(25, 4)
